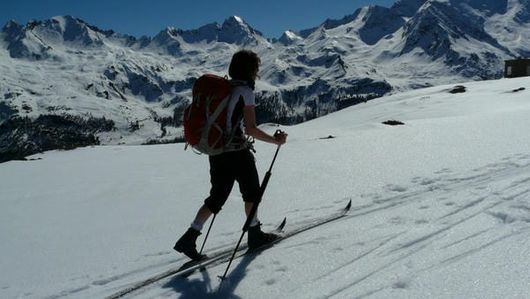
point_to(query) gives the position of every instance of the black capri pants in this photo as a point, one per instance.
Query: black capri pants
(227, 168)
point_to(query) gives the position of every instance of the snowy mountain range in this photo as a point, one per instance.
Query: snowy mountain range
(67, 83)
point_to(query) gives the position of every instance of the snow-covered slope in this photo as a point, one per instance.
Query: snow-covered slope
(440, 208)
(91, 86)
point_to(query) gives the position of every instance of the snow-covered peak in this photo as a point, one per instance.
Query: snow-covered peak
(167, 39)
(433, 28)
(332, 23)
(70, 29)
(289, 37)
(377, 22)
(236, 31)
(208, 33)
(238, 19)
(38, 39)
(371, 23)
(168, 33)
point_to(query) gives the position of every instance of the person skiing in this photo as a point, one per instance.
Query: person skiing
(237, 164)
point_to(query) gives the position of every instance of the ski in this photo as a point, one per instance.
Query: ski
(223, 256)
(342, 213)
(336, 216)
(189, 267)
(240, 253)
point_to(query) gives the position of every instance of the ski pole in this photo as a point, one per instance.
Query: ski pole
(252, 211)
(208, 233)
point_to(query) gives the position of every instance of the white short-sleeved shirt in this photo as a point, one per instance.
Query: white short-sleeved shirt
(241, 96)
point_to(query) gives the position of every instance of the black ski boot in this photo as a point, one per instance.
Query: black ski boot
(257, 238)
(186, 245)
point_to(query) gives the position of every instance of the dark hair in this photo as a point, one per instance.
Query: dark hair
(243, 66)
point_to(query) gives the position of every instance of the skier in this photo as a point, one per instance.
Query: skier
(238, 164)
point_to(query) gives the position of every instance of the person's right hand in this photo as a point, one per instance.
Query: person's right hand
(280, 137)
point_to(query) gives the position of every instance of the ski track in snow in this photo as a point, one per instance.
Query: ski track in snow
(154, 268)
(490, 200)
(499, 193)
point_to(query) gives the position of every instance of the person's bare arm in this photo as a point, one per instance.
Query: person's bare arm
(251, 128)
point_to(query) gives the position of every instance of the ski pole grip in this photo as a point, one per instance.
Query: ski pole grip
(278, 133)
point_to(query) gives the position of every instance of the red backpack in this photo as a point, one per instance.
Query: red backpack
(205, 118)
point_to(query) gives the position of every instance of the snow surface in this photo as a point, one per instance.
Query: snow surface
(440, 208)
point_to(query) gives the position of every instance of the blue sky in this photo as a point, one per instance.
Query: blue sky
(141, 17)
